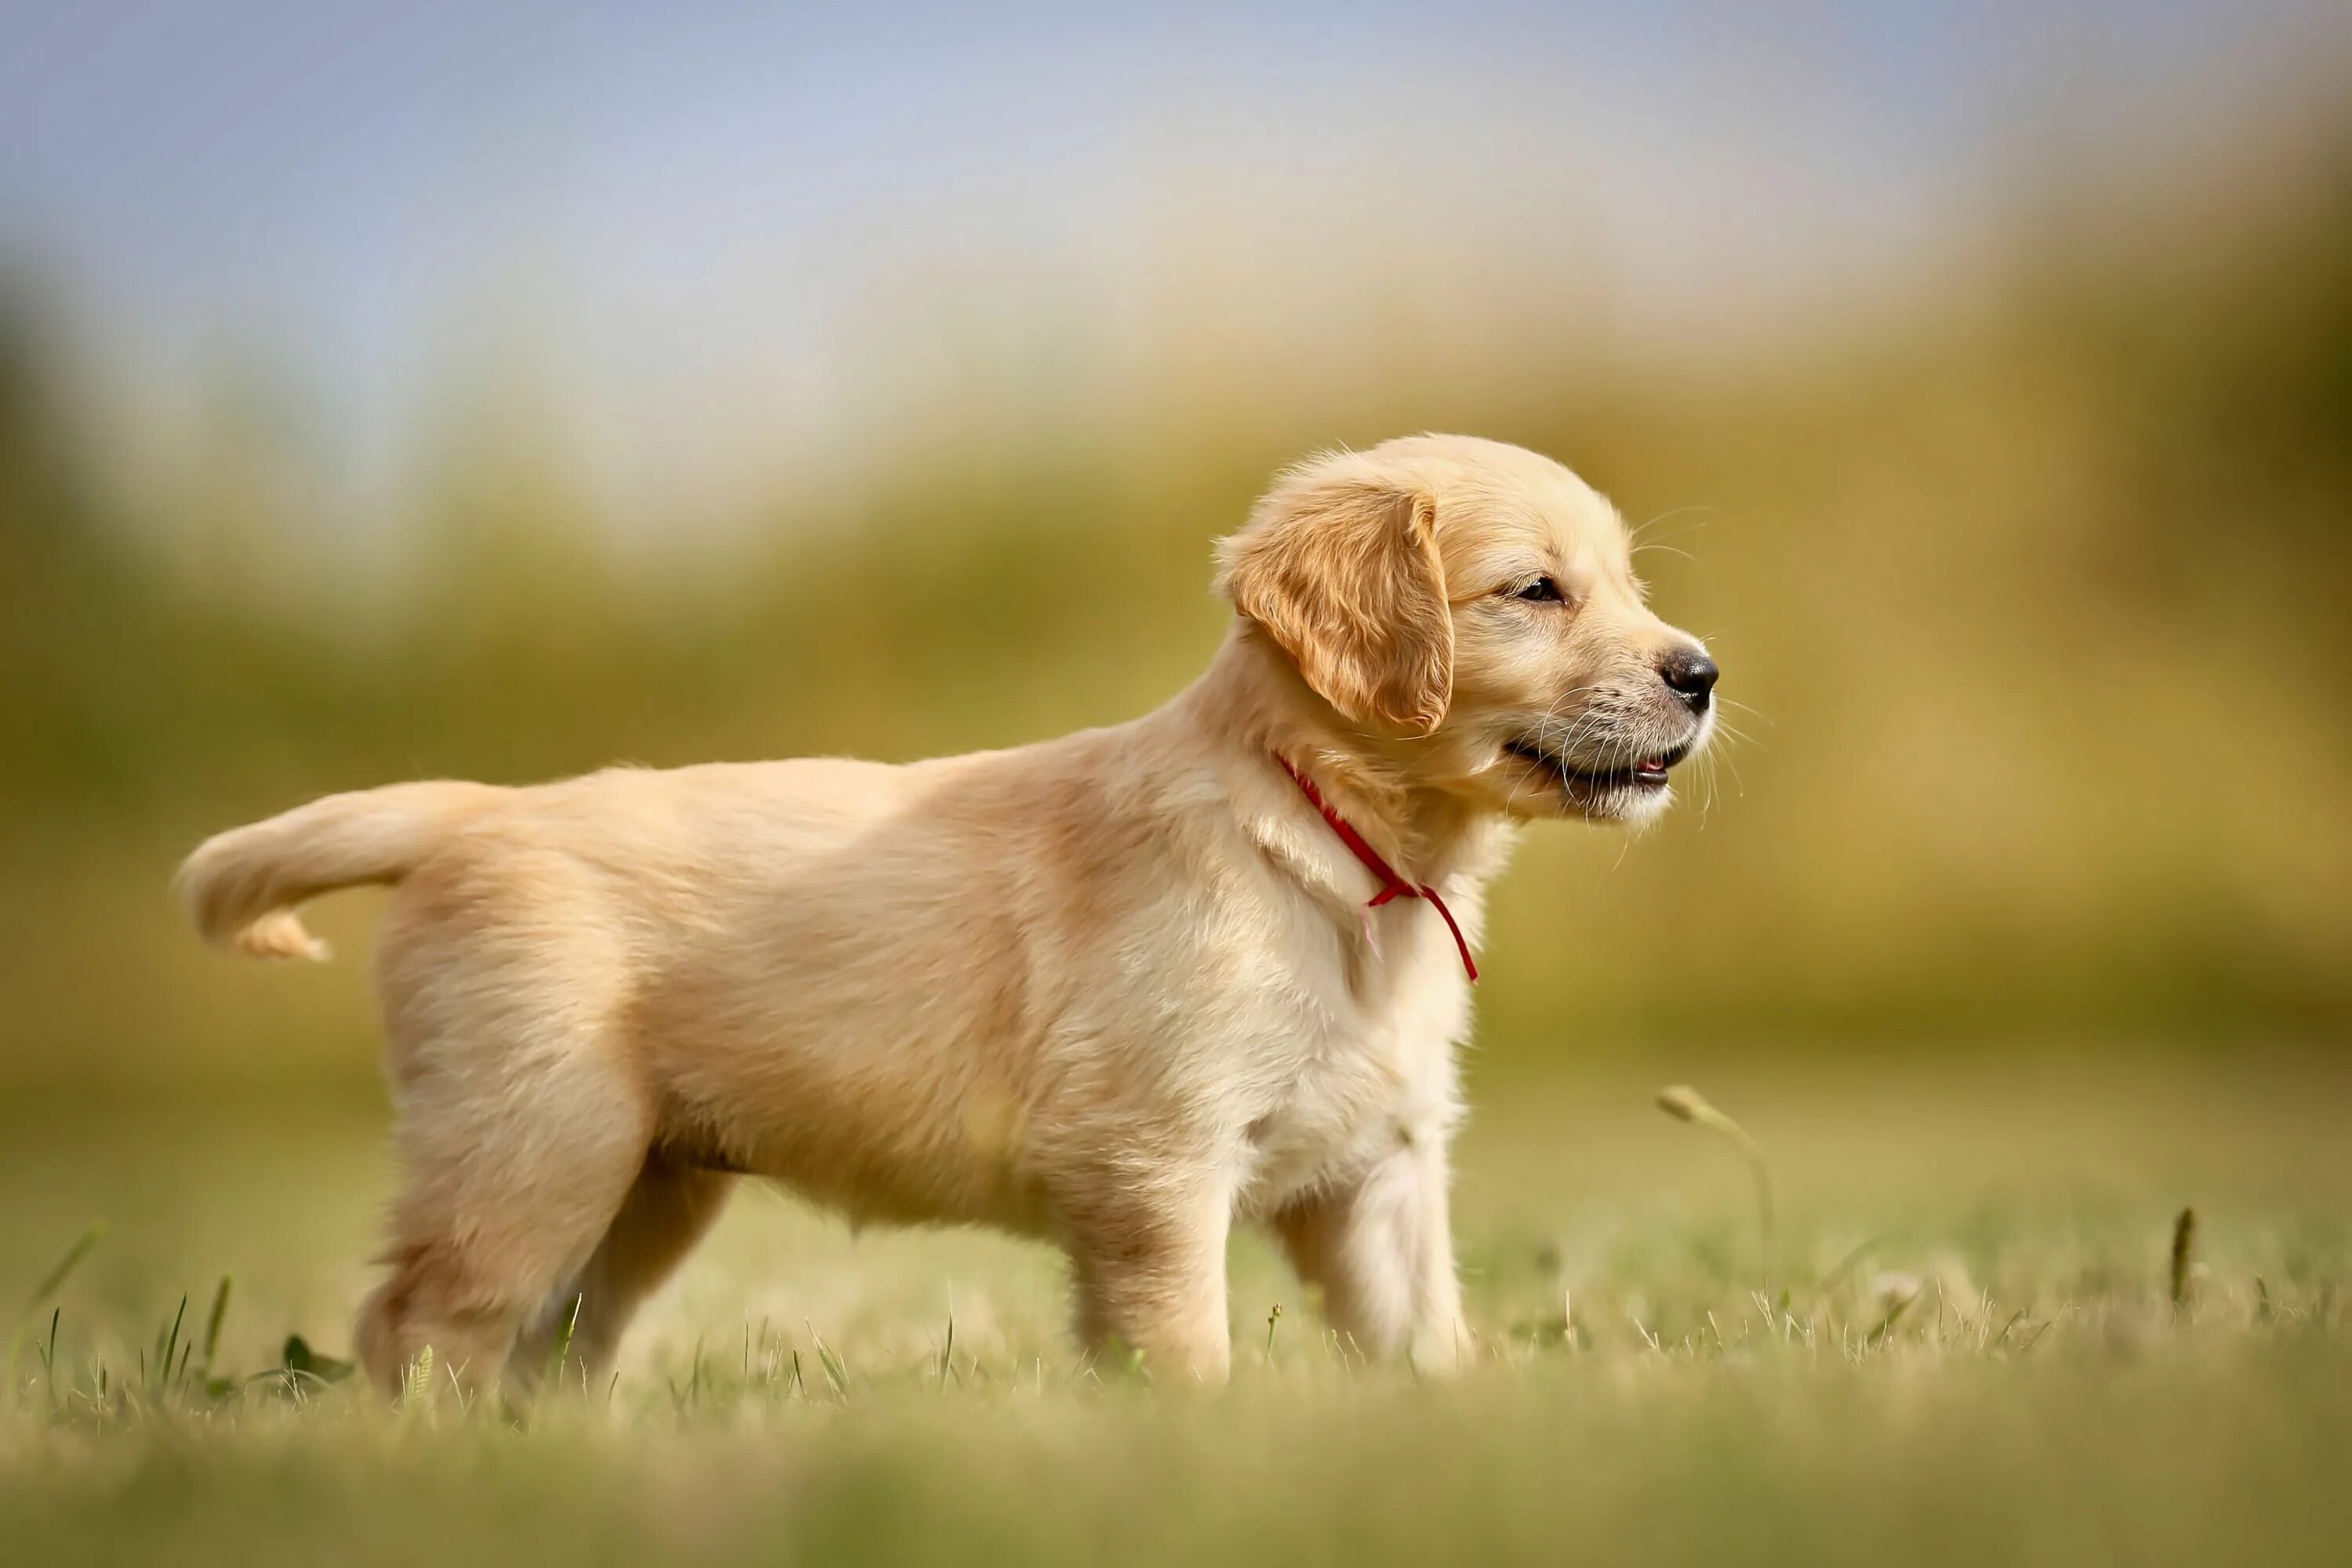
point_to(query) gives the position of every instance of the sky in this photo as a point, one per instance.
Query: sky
(726, 236)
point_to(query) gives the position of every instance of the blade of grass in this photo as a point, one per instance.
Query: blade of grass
(561, 1349)
(417, 1386)
(49, 1359)
(213, 1321)
(836, 1372)
(1886, 1324)
(170, 1344)
(49, 1286)
(2184, 1257)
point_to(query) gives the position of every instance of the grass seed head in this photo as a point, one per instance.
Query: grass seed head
(1683, 1102)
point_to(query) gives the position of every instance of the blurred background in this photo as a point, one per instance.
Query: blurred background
(398, 391)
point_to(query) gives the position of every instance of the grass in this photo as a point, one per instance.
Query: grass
(2002, 1339)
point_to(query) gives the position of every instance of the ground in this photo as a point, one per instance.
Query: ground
(1981, 1356)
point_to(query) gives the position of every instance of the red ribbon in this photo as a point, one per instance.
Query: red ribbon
(1392, 885)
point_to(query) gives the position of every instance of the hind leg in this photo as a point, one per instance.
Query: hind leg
(522, 1121)
(510, 1188)
(668, 1209)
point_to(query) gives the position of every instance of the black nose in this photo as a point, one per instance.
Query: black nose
(1692, 675)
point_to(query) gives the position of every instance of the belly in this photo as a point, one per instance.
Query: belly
(874, 1159)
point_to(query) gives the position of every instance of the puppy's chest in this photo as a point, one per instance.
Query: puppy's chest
(1340, 1049)
(1333, 1110)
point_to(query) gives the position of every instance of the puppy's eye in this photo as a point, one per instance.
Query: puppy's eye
(1542, 591)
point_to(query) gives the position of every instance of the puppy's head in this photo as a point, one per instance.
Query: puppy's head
(1471, 608)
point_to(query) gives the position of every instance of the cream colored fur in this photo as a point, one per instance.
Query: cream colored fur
(1116, 990)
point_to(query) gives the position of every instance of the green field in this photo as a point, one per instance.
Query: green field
(2013, 919)
(795, 1396)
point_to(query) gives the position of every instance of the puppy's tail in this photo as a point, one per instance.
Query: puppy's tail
(241, 887)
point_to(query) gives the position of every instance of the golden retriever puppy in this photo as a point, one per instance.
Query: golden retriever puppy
(1120, 990)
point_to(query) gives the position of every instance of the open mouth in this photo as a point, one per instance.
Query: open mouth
(1648, 773)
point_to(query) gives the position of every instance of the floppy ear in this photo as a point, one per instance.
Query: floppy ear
(1344, 573)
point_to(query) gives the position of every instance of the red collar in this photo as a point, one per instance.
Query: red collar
(1392, 885)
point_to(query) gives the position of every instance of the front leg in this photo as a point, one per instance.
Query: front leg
(1381, 1247)
(1149, 1253)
